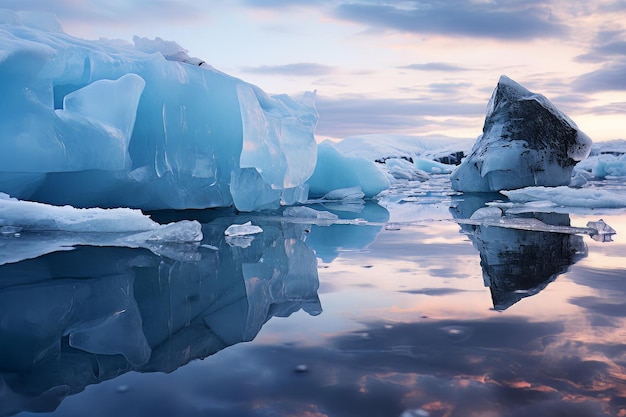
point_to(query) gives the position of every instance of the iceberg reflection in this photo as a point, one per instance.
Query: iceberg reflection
(73, 318)
(519, 263)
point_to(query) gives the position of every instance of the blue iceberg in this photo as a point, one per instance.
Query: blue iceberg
(112, 124)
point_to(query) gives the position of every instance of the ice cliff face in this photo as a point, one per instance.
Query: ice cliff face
(526, 141)
(107, 123)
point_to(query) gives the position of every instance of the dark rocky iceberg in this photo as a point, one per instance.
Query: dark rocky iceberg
(526, 141)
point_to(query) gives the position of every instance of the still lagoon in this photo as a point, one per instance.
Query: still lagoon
(397, 309)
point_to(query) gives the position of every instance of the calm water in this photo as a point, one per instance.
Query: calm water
(398, 311)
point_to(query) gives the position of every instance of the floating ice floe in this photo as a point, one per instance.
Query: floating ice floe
(495, 217)
(30, 229)
(570, 197)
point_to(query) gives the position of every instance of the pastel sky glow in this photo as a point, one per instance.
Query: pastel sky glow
(420, 67)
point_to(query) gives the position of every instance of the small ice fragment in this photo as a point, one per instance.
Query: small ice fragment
(486, 213)
(211, 247)
(242, 229)
(301, 368)
(350, 193)
(604, 232)
(184, 231)
(10, 230)
(309, 213)
(418, 412)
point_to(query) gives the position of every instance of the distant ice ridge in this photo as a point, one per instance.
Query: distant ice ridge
(110, 124)
(606, 160)
(569, 197)
(403, 157)
(526, 141)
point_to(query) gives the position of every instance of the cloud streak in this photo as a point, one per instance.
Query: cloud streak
(356, 114)
(510, 20)
(296, 69)
(110, 12)
(434, 66)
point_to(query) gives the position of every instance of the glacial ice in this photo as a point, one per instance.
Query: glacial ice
(31, 229)
(526, 141)
(570, 197)
(341, 170)
(110, 124)
(242, 229)
(606, 160)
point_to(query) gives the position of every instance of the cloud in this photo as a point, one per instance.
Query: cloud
(608, 78)
(110, 12)
(278, 4)
(608, 44)
(297, 69)
(357, 114)
(511, 20)
(434, 66)
(447, 88)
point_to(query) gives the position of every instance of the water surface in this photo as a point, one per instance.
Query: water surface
(396, 311)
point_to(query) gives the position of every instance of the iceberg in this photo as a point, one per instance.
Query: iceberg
(337, 170)
(111, 124)
(526, 141)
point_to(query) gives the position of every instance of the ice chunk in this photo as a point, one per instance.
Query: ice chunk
(242, 229)
(526, 141)
(603, 232)
(37, 216)
(570, 197)
(111, 124)
(402, 169)
(350, 193)
(44, 229)
(381, 147)
(336, 170)
(307, 213)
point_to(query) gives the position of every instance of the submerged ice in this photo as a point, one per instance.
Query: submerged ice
(110, 124)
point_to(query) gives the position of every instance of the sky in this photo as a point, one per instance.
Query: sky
(422, 67)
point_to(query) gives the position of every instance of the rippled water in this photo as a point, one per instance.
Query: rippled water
(397, 310)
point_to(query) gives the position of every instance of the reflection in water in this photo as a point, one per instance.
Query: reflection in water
(74, 318)
(328, 241)
(519, 263)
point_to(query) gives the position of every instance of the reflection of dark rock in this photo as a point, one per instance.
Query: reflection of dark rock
(74, 318)
(526, 141)
(520, 263)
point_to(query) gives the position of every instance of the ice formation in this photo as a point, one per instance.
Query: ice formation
(411, 158)
(606, 160)
(111, 124)
(29, 229)
(526, 141)
(242, 229)
(570, 197)
(342, 170)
